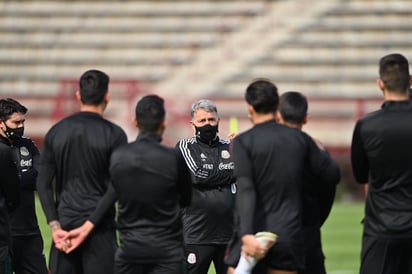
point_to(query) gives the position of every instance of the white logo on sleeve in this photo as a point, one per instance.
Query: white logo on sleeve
(191, 258)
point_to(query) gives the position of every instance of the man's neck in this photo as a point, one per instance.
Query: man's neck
(99, 109)
(396, 96)
(262, 118)
(293, 125)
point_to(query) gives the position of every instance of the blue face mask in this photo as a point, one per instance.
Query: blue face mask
(206, 133)
(14, 133)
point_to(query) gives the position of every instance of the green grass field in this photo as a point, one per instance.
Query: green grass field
(341, 236)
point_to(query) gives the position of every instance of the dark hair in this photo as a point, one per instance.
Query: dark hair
(94, 85)
(394, 72)
(9, 106)
(293, 106)
(150, 113)
(263, 96)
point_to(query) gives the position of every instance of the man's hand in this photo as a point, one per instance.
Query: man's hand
(59, 236)
(232, 136)
(251, 247)
(77, 236)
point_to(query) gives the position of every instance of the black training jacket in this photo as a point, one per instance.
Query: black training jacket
(23, 220)
(209, 220)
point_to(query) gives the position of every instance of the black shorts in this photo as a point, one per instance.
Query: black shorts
(282, 256)
(386, 256)
(200, 257)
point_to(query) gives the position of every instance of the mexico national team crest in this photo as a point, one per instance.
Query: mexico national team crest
(225, 154)
(24, 151)
(191, 258)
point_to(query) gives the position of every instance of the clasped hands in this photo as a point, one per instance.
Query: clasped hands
(67, 241)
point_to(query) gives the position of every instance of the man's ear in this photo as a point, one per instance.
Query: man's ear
(78, 97)
(381, 84)
(278, 117)
(107, 96)
(193, 126)
(3, 125)
(250, 112)
(134, 121)
(306, 119)
(163, 126)
(250, 109)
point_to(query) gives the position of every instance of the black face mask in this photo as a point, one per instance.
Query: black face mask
(14, 133)
(206, 133)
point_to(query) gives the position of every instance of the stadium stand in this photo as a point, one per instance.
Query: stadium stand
(184, 50)
(48, 44)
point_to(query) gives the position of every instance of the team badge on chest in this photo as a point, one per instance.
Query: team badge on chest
(24, 151)
(191, 258)
(225, 154)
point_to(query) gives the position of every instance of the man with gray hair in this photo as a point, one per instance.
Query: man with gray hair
(208, 222)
